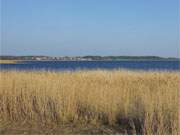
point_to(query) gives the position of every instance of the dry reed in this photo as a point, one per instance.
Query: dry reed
(145, 102)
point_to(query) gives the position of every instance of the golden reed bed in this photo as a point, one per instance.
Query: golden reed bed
(8, 61)
(145, 102)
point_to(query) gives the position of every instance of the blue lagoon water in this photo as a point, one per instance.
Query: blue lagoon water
(90, 65)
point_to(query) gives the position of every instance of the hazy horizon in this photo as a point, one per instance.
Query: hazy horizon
(80, 28)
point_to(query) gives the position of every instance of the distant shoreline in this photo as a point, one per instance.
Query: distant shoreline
(21, 61)
(13, 59)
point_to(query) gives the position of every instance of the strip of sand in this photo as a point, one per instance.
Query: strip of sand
(8, 61)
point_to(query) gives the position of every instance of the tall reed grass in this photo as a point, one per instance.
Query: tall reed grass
(144, 102)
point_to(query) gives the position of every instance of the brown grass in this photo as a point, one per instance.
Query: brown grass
(8, 61)
(143, 102)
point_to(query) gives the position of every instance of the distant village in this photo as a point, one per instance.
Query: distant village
(39, 58)
(48, 58)
(59, 58)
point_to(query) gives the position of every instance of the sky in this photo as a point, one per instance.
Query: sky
(90, 27)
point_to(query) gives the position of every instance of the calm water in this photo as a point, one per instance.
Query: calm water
(76, 65)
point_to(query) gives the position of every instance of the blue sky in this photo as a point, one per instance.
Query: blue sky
(89, 27)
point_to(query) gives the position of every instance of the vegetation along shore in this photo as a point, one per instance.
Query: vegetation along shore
(90, 58)
(8, 61)
(132, 101)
